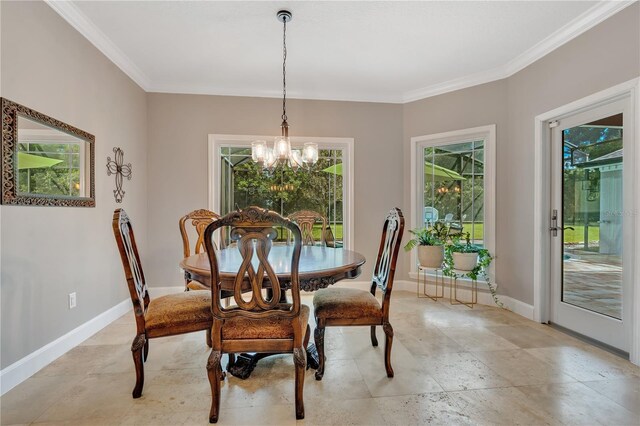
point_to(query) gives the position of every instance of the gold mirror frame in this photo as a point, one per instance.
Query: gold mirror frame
(10, 196)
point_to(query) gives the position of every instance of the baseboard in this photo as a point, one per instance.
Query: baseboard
(484, 296)
(26, 367)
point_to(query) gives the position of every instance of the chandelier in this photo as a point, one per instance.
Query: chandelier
(281, 153)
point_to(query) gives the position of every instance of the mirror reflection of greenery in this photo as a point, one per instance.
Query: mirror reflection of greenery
(60, 179)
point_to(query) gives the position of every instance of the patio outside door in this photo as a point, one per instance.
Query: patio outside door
(590, 287)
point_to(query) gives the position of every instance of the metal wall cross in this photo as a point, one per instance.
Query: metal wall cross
(116, 167)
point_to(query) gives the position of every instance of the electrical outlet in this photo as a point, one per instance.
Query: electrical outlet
(72, 300)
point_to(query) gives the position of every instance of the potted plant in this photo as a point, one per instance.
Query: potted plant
(462, 258)
(430, 241)
(464, 255)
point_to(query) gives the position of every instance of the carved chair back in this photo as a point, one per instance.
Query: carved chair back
(254, 230)
(306, 219)
(200, 219)
(123, 231)
(385, 267)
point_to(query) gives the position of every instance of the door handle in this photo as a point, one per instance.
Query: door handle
(559, 228)
(554, 224)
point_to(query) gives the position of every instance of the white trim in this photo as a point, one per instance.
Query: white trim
(484, 297)
(488, 134)
(587, 20)
(590, 18)
(85, 26)
(346, 144)
(541, 267)
(24, 368)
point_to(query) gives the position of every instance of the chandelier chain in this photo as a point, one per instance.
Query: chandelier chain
(284, 71)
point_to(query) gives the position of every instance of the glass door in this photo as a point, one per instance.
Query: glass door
(590, 288)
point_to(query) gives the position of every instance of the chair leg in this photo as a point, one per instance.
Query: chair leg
(388, 331)
(232, 360)
(214, 371)
(146, 350)
(137, 349)
(209, 337)
(318, 338)
(374, 339)
(300, 361)
(307, 336)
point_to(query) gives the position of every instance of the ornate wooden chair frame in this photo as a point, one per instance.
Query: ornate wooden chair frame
(200, 219)
(383, 275)
(169, 315)
(244, 323)
(305, 220)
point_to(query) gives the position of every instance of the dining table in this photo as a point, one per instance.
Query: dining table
(319, 267)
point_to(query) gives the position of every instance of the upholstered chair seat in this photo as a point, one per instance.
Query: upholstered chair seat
(267, 322)
(350, 307)
(170, 315)
(346, 303)
(179, 313)
(240, 328)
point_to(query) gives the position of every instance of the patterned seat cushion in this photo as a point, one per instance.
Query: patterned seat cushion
(345, 303)
(179, 313)
(239, 328)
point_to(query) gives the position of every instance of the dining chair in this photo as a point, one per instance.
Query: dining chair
(199, 219)
(306, 219)
(351, 307)
(180, 313)
(259, 321)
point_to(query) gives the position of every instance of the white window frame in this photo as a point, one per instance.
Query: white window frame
(217, 141)
(419, 143)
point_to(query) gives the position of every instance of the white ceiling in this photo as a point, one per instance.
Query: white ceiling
(390, 51)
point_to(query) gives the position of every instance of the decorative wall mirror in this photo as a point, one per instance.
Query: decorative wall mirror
(45, 162)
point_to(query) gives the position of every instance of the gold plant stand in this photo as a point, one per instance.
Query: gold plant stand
(453, 291)
(422, 270)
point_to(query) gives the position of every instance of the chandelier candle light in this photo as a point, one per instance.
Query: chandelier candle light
(282, 154)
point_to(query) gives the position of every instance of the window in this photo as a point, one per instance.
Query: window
(237, 182)
(453, 181)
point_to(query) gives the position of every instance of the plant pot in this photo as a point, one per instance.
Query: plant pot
(464, 261)
(430, 256)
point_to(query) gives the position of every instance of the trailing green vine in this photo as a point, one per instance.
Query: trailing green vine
(479, 271)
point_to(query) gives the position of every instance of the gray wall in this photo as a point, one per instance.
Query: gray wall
(604, 56)
(178, 130)
(48, 252)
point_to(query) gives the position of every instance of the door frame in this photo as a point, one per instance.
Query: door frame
(542, 186)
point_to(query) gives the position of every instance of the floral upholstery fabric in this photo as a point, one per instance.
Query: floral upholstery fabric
(179, 313)
(345, 303)
(239, 328)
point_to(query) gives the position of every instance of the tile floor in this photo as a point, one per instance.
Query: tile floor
(453, 365)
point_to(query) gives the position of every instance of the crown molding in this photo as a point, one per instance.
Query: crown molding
(455, 84)
(582, 23)
(252, 93)
(587, 20)
(78, 20)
